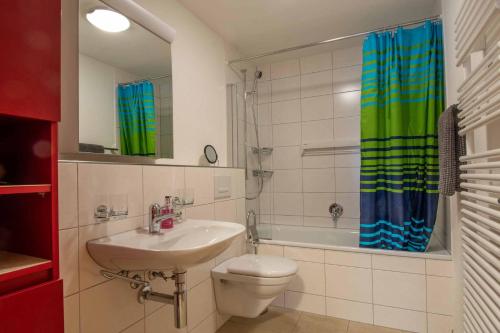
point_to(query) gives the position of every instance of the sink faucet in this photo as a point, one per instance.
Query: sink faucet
(155, 218)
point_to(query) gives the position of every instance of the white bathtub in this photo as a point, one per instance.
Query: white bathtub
(336, 239)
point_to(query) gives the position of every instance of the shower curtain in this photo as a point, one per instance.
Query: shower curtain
(137, 117)
(401, 99)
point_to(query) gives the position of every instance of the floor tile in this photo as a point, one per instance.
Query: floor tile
(320, 324)
(275, 320)
(355, 327)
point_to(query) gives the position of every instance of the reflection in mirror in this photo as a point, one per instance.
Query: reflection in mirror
(211, 154)
(125, 87)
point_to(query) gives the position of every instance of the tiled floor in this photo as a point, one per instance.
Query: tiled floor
(278, 320)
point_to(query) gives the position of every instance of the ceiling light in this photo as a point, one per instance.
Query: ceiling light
(108, 20)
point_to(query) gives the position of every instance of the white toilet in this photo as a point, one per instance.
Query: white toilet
(245, 286)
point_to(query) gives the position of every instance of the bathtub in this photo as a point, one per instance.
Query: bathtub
(336, 239)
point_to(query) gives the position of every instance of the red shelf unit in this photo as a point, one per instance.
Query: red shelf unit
(29, 112)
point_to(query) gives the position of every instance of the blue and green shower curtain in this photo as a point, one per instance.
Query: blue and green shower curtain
(136, 112)
(402, 98)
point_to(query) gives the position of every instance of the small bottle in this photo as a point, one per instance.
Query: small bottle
(167, 209)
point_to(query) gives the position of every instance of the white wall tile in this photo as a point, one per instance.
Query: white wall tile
(279, 301)
(316, 63)
(285, 89)
(265, 136)
(350, 310)
(287, 180)
(263, 114)
(305, 254)
(288, 203)
(316, 221)
(241, 211)
(305, 302)
(408, 320)
(201, 212)
(346, 104)
(162, 318)
(347, 79)
(347, 160)
(138, 327)
(68, 260)
(351, 283)
(405, 290)
(348, 57)
(318, 180)
(287, 158)
(350, 202)
(264, 92)
(234, 250)
(286, 134)
(286, 112)
(199, 273)
(72, 314)
(399, 264)
(266, 203)
(346, 128)
(271, 250)
(266, 72)
(347, 180)
(201, 303)
(109, 307)
(209, 325)
(201, 180)
(439, 267)
(318, 162)
(160, 181)
(316, 204)
(316, 84)
(287, 219)
(348, 223)
(440, 296)
(317, 131)
(310, 278)
(344, 258)
(284, 69)
(439, 323)
(68, 195)
(317, 108)
(99, 183)
(225, 210)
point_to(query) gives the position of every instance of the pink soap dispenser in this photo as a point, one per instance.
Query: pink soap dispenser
(167, 223)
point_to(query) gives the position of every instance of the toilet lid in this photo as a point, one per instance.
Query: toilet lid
(262, 266)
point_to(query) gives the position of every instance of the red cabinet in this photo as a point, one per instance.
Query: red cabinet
(31, 298)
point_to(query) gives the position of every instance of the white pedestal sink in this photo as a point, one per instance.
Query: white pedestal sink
(188, 243)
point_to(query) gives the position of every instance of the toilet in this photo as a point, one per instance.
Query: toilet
(245, 286)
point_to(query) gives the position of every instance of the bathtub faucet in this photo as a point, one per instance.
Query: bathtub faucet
(252, 234)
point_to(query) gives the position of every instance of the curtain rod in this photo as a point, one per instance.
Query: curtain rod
(146, 79)
(327, 41)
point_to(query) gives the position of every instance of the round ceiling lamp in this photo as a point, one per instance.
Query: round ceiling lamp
(108, 20)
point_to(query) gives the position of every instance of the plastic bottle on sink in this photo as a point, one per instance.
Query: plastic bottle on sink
(167, 223)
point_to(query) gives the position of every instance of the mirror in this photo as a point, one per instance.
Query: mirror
(125, 86)
(211, 154)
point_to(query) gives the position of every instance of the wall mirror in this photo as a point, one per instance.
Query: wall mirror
(125, 83)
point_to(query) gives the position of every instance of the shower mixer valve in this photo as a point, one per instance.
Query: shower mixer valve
(336, 210)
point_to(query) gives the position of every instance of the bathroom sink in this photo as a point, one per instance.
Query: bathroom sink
(188, 243)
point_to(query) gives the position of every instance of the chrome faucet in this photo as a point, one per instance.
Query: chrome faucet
(155, 218)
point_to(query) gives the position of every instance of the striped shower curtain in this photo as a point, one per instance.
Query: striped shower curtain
(401, 100)
(136, 111)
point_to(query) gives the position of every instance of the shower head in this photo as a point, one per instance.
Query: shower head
(258, 74)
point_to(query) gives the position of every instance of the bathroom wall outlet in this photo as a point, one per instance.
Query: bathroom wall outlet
(222, 188)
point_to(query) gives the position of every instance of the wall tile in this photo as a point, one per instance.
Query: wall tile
(316, 84)
(440, 295)
(319, 131)
(264, 92)
(284, 69)
(160, 181)
(399, 264)
(348, 57)
(287, 158)
(209, 325)
(265, 136)
(109, 307)
(241, 211)
(201, 180)
(237, 181)
(138, 327)
(68, 195)
(355, 311)
(286, 112)
(263, 114)
(266, 203)
(348, 259)
(317, 108)
(318, 162)
(99, 182)
(408, 320)
(439, 267)
(305, 302)
(316, 221)
(347, 79)
(72, 314)
(279, 301)
(348, 223)
(318, 180)
(161, 319)
(203, 212)
(285, 89)
(287, 219)
(310, 278)
(316, 63)
(347, 180)
(68, 260)
(347, 128)
(347, 160)
(287, 180)
(316, 204)
(351, 283)
(439, 323)
(305, 254)
(288, 203)
(272, 250)
(201, 303)
(234, 250)
(350, 202)
(286, 134)
(199, 273)
(405, 290)
(225, 210)
(346, 104)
